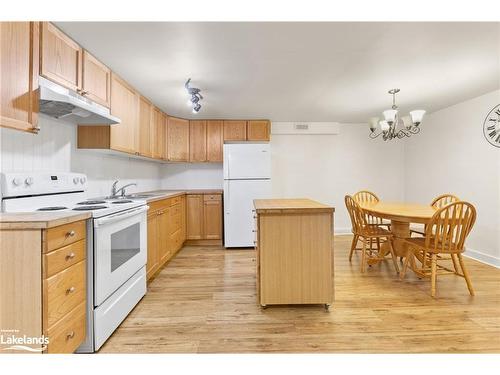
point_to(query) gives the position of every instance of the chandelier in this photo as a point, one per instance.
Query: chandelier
(194, 96)
(393, 126)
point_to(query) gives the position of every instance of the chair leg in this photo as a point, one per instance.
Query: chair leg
(353, 246)
(405, 265)
(455, 265)
(466, 275)
(363, 257)
(424, 259)
(433, 274)
(393, 255)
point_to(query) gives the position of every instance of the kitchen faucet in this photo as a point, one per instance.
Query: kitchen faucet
(115, 191)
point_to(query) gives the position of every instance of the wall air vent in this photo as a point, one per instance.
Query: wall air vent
(301, 127)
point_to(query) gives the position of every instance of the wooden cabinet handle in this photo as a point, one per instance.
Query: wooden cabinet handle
(70, 290)
(70, 234)
(70, 335)
(84, 92)
(70, 256)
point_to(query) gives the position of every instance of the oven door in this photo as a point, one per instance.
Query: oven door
(120, 250)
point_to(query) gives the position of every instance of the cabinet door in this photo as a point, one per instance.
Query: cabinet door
(212, 217)
(178, 139)
(124, 105)
(197, 141)
(183, 219)
(96, 80)
(145, 126)
(194, 215)
(61, 59)
(159, 130)
(258, 130)
(153, 256)
(215, 140)
(163, 236)
(235, 130)
(19, 75)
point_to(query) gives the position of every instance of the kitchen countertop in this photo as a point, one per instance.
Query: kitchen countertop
(164, 194)
(289, 205)
(39, 220)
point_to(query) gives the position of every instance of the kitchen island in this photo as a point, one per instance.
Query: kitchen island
(294, 245)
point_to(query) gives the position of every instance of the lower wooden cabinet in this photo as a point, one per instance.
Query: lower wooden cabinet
(43, 279)
(153, 258)
(204, 216)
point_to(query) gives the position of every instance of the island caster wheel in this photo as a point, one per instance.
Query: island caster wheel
(263, 307)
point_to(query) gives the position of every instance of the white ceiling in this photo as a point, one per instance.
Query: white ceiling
(338, 71)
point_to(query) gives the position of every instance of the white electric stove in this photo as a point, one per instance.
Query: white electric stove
(116, 243)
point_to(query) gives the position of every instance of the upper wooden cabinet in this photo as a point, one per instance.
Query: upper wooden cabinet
(124, 105)
(159, 134)
(96, 80)
(235, 130)
(61, 57)
(177, 139)
(258, 130)
(215, 140)
(19, 49)
(197, 141)
(145, 127)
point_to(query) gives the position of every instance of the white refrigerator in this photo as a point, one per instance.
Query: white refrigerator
(247, 176)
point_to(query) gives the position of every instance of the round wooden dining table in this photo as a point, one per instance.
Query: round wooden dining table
(401, 216)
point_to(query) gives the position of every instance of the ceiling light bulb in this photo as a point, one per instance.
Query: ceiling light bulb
(417, 116)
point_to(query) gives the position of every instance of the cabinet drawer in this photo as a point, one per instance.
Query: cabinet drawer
(60, 259)
(64, 235)
(212, 197)
(175, 200)
(67, 334)
(63, 292)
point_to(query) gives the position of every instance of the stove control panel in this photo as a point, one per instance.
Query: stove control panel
(25, 184)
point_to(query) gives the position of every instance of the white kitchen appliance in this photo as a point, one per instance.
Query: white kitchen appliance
(247, 176)
(116, 243)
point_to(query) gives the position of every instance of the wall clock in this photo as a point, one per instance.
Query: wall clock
(491, 126)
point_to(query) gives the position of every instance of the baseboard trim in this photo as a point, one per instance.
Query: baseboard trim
(482, 257)
(342, 231)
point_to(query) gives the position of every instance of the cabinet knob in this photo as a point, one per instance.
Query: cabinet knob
(70, 256)
(70, 234)
(70, 290)
(70, 335)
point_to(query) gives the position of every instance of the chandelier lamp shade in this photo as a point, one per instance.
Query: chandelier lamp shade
(393, 126)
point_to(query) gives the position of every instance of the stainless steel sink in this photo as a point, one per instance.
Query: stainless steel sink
(139, 196)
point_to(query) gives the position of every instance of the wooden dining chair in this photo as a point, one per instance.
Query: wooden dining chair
(367, 233)
(437, 202)
(445, 235)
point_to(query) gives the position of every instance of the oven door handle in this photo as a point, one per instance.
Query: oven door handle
(119, 216)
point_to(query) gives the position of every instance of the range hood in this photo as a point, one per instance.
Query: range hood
(61, 103)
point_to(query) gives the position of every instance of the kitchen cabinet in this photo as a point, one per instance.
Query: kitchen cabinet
(43, 278)
(96, 80)
(212, 216)
(177, 139)
(153, 255)
(204, 217)
(258, 130)
(19, 55)
(294, 252)
(194, 216)
(145, 126)
(61, 57)
(124, 105)
(215, 140)
(235, 130)
(163, 235)
(197, 141)
(159, 134)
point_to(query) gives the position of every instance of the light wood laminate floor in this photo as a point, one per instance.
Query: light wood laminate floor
(204, 301)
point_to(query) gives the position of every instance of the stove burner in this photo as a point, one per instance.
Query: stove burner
(54, 208)
(122, 201)
(91, 202)
(88, 208)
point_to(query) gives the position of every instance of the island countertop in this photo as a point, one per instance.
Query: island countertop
(288, 205)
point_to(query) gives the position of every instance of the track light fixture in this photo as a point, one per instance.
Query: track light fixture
(195, 96)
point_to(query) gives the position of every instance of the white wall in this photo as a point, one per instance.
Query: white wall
(327, 167)
(54, 149)
(192, 176)
(451, 155)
